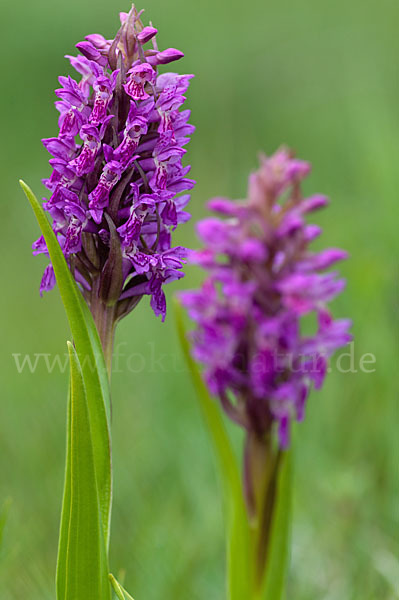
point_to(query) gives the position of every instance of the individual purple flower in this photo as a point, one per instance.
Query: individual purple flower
(103, 87)
(84, 163)
(117, 171)
(136, 127)
(99, 197)
(73, 108)
(140, 76)
(167, 160)
(71, 92)
(262, 279)
(167, 104)
(78, 218)
(48, 280)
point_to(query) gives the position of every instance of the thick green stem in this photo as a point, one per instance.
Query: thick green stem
(104, 318)
(262, 466)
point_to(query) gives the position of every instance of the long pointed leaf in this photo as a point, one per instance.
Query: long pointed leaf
(120, 592)
(238, 551)
(61, 576)
(86, 557)
(91, 358)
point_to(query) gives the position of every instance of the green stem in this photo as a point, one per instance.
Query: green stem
(263, 464)
(104, 318)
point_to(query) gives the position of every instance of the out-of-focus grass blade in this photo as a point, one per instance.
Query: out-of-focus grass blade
(278, 549)
(225, 454)
(239, 580)
(91, 358)
(120, 592)
(3, 518)
(86, 572)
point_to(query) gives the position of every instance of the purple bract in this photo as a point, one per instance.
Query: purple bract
(115, 189)
(262, 281)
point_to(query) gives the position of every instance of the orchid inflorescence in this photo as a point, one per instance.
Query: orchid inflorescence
(262, 280)
(117, 170)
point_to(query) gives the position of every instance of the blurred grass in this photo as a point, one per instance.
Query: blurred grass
(322, 78)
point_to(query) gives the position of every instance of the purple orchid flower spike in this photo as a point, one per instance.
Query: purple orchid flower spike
(262, 279)
(118, 173)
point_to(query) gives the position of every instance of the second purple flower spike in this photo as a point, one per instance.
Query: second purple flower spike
(262, 280)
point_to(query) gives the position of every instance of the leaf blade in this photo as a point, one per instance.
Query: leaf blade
(86, 569)
(120, 592)
(238, 532)
(61, 573)
(91, 358)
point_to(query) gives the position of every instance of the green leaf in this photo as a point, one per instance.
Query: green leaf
(278, 549)
(91, 358)
(61, 575)
(120, 592)
(86, 569)
(238, 546)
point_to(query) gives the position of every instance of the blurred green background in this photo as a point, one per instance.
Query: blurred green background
(321, 77)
